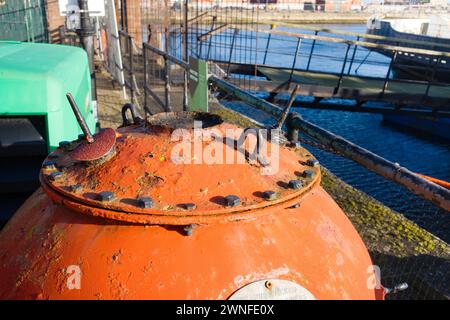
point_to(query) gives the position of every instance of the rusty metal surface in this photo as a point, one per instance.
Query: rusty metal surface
(142, 167)
(139, 226)
(313, 245)
(102, 144)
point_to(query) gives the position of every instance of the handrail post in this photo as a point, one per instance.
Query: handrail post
(144, 52)
(130, 72)
(431, 79)
(342, 70)
(312, 50)
(386, 79)
(186, 54)
(231, 50)
(353, 56)
(268, 44)
(213, 24)
(167, 83)
(297, 49)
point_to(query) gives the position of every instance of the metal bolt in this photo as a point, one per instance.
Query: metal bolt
(55, 176)
(145, 202)
(296, 144)
(65, 145)
(189, 229)
(49, 165)
(105, 196)
(268, 285)
(189, 206)
(75, 187)
(312, 163)
(270, 195)
(81, 137)
(232, 201)
(309, 173)
(295, 184)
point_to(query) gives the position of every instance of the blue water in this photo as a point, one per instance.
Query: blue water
(418, 152)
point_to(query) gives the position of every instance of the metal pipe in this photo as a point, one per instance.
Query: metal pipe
(86, 34)
(247, 97)
(288, 106)
(392, 171)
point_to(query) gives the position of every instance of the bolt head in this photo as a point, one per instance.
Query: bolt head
(189, 229)
(232, 201)
(295, 184)
(54, 176)
(189, 206)
(105, 196)
(309, 174)
(75, 187)
(65, 145)
(296, 144)
(49, 165)
(270, 195)
(145, 202)
(312, 163)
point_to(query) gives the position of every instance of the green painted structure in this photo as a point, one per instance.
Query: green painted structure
(198, 85)
(34, 79)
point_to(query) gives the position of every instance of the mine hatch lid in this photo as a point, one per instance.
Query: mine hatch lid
(156, 174)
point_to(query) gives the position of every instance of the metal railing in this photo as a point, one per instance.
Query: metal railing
(163, 64)
(126, 46)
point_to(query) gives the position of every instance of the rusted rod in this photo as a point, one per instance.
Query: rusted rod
(287, 108)
(392, 171)
(83, 125)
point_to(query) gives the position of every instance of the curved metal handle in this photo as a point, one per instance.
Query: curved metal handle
(134, 114)
(259, 138)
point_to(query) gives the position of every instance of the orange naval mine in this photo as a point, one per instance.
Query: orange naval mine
(152, 217)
